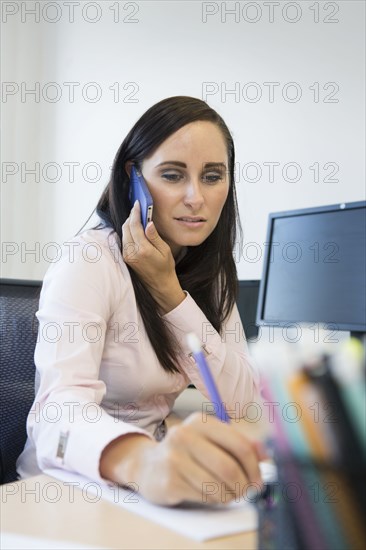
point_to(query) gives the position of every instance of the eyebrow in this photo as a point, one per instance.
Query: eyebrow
(183, 164)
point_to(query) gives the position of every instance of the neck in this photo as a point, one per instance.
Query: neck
(180, 253)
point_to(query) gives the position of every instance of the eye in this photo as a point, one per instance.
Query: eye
(212, 177)
(171, 176)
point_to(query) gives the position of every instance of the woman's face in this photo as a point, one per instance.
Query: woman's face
(188, 178)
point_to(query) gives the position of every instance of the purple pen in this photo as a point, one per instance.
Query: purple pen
(195, 346)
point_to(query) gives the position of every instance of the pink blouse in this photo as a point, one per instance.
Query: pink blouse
(98, 376)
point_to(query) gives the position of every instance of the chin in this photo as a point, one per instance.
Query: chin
(185, 240)
(192, 242)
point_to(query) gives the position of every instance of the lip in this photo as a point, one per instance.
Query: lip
(191, 223)
(191, 218)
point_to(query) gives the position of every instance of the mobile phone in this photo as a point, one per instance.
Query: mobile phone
(139, 191)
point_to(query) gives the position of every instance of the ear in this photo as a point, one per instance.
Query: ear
(128, 165)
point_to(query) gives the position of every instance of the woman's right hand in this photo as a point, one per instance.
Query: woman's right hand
(197, 461)
(152, 259)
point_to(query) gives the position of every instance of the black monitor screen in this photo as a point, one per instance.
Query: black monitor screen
(315, 267)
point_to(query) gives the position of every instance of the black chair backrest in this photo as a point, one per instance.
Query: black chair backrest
(18, 329)
(247, 301)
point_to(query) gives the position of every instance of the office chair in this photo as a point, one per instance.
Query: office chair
(247, 301)
(18, 329)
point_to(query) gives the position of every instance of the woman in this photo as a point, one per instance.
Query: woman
(114, 313)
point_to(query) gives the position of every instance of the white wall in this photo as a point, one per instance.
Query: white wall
(173, 48)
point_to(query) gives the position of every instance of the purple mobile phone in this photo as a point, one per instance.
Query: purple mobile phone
(139, 191)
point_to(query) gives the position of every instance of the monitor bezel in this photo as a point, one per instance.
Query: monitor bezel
(260, 320)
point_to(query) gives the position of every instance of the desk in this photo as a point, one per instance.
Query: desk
(100, 523)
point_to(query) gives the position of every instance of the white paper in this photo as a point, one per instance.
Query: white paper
(199, 522)
(12, 541)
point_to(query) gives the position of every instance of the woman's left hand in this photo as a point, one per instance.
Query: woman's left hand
(152, 259)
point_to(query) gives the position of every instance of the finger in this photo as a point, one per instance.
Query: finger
(129, 247)
(223, 471)
(233, 442)
(154, 237)
(246, 456)
(261, 451)
(195, 485)
(135, 225)
(126, 233)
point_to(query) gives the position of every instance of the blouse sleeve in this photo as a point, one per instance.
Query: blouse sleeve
(67, 424)
(227, 354)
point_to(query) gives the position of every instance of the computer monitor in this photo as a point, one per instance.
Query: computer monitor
(315, 268)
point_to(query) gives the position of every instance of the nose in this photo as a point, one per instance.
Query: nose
(193, 196)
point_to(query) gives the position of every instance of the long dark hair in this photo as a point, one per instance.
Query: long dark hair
(207, 271)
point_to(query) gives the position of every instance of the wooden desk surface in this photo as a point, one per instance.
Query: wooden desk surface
(101, 524)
